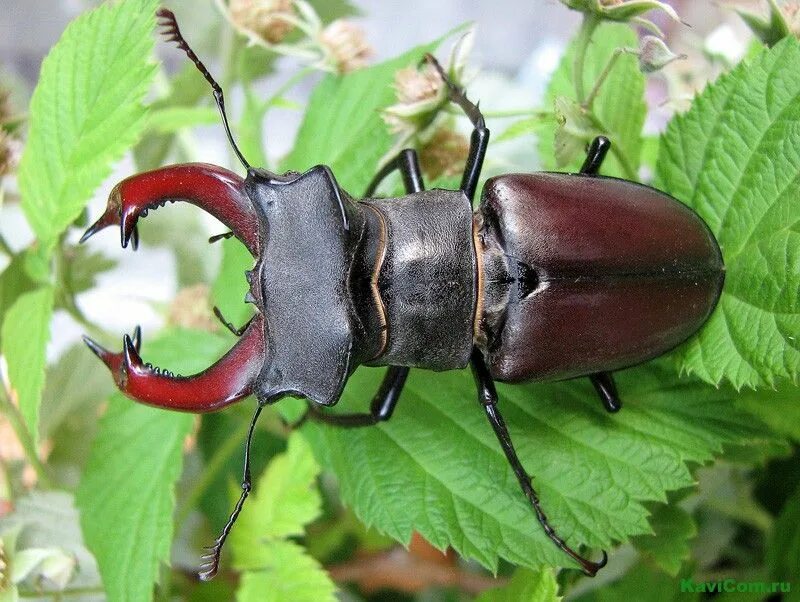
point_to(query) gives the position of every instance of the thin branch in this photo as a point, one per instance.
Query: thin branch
(17, 422)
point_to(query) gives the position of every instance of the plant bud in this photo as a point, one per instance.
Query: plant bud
(445, 154)
(192, 309)
(414, 85)
(654, 54)
(10, 153)
(263, 18)
(345, 45)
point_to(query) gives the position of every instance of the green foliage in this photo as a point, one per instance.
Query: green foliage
(14, 281)
(525, 586)
(342, 126)
(437, 468)
(285, 500)
(619, 109)
(126, 494)
(735, 159)
(26, 331)
(75, 138)
(783, 550)
(49, 520)
(668, 547)
(641, 582)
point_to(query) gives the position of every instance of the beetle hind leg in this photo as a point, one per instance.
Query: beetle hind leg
(487, 395)
(607, 390)
(595, 156)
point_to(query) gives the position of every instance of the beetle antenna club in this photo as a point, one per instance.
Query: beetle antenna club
(170, 30)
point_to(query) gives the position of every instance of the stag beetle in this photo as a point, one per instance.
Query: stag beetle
(554, 276)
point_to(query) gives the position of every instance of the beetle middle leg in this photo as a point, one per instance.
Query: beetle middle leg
(487, 395)
(595, 156)
(603, 381)
(479, 141)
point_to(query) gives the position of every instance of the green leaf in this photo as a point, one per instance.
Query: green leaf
(783, 549)
(673, 527)
(780, 409)
(86, 112)
(126, 495)
(285, 500)
(187, 88)
(48, 519)
(14, 282)
(525, 586)
(81, 266)
(171, 119)
(643, 582)
(230, 286)
(523, 127)
(437, 467)
(26, 331)
(620, 108)
(734, 159)
(288, 575)
(343, 127)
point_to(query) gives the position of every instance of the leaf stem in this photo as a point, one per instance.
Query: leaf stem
(518, 113)
(587, 104)
(67, 297)
(78, 591)
(5, 247)
(17, 422)
(288, 85)
(588, 27)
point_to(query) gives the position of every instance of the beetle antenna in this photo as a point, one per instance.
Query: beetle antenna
(170, 30)
(211, 559)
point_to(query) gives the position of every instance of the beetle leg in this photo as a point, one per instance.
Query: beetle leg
(479, 141)
(218, 237)
(380, 410)
(595, 155)
(211, 564)
(236, 331)
(607, 390)
(487, 395)
(407, 163)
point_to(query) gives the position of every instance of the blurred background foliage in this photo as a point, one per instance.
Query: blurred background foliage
(696, 479)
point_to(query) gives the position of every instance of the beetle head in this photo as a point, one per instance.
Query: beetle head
(303, 232)
(221, 193)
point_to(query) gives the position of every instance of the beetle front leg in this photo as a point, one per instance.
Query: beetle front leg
(380, 409)
(407, 163)
(487, 395)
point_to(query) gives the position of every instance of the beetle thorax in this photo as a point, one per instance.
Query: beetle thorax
(424, 279)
